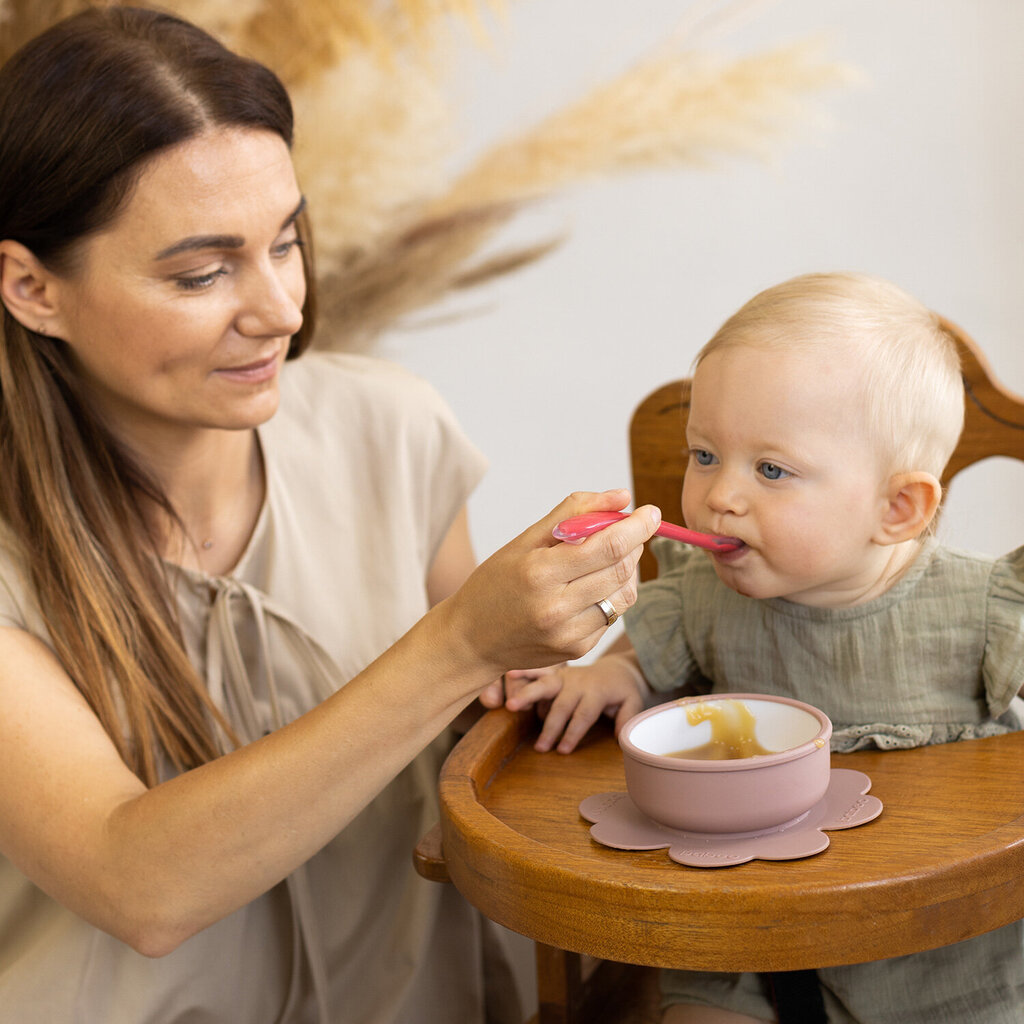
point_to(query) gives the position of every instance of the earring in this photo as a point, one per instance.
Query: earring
(41, 329)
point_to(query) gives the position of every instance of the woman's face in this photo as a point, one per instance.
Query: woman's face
(179, 314)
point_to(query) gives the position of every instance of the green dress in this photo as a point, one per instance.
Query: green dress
(938, 657)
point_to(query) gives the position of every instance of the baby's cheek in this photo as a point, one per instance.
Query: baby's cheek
(690, 503)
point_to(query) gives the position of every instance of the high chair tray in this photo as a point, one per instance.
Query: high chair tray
(943, 862)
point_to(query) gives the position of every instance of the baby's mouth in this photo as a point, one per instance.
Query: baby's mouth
(732, 554)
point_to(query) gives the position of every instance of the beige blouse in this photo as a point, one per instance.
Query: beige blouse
(366, 470)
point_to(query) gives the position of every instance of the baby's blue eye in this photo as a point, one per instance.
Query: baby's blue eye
(702, 457)
(771, 472)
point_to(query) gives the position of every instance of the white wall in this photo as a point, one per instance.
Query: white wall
(918, 180)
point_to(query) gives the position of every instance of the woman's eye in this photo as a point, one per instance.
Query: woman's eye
(702, 456)
(199, 281)
(284, 249)
(772, 472)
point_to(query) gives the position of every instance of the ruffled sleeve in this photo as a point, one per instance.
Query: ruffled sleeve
(1003, 666)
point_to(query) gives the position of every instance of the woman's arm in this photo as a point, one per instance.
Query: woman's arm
(153, 867)
(452, 565)
(453, 562)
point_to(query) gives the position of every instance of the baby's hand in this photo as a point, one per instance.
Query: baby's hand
(515, 690)
(570, 699)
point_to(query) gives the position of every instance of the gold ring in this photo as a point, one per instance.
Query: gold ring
(609, 610)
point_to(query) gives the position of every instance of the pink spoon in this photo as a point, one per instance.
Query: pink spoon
(577, 527)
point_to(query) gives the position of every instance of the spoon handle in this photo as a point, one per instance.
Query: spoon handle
(576, 528)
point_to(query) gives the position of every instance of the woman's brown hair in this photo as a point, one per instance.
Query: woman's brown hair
(83, 106)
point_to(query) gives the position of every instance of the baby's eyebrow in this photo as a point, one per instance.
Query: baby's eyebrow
(196, 242)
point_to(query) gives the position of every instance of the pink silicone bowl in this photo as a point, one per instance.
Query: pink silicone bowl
(746, 794)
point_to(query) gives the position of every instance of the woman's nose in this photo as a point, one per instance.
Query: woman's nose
(272, 305)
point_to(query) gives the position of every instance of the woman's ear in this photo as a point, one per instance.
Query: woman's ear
(28, 289)
(911, 504)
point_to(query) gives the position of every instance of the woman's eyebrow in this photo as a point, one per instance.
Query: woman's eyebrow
(195, 242)
(294, 215)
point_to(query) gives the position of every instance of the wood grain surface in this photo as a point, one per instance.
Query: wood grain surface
(943, 862)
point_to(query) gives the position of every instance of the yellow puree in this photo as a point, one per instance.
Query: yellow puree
(732, 731)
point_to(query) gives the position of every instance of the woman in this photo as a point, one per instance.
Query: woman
(232, 631)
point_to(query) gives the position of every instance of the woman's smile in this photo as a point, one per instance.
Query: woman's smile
(257, 372)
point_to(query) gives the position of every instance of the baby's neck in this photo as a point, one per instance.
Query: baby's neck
(900, 557)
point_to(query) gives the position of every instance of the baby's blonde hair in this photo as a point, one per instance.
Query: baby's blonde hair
(904, 364)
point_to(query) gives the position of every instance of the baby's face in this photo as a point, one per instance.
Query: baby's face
(780, 458)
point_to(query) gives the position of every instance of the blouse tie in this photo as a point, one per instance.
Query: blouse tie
(254, 707)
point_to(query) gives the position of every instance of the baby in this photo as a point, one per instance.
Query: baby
(822, 415)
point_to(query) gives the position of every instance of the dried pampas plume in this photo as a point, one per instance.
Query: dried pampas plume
(396, 229)
(372, 144)
(685, 109)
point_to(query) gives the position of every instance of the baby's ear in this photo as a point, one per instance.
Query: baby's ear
(913, 499)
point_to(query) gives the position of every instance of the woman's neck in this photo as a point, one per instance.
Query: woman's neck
(215, 484)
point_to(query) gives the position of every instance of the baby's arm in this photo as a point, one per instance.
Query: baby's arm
(571, 698)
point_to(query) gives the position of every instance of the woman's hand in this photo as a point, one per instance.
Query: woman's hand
(534, 602)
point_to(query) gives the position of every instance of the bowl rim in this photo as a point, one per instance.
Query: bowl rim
(736, 764)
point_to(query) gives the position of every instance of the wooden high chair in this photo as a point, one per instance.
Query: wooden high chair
(943, 863)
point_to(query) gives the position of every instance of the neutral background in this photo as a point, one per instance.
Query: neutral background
(916, 178)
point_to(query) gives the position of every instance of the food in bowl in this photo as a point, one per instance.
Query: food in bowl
(779, 768)
(733, 731)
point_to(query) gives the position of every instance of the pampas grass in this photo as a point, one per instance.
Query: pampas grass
(669, 111)
(396, 230)
(372, 144)
(302, 39)
(686, 110)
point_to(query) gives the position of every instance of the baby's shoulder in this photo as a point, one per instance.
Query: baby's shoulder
(951, 566)
(973, 585)
(1007, 579)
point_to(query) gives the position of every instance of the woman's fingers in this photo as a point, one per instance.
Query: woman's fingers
(578, 503)
(493, 696)
(607, 572)
(536, 600)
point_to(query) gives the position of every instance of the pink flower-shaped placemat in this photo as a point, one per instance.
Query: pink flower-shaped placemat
(618, 823)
